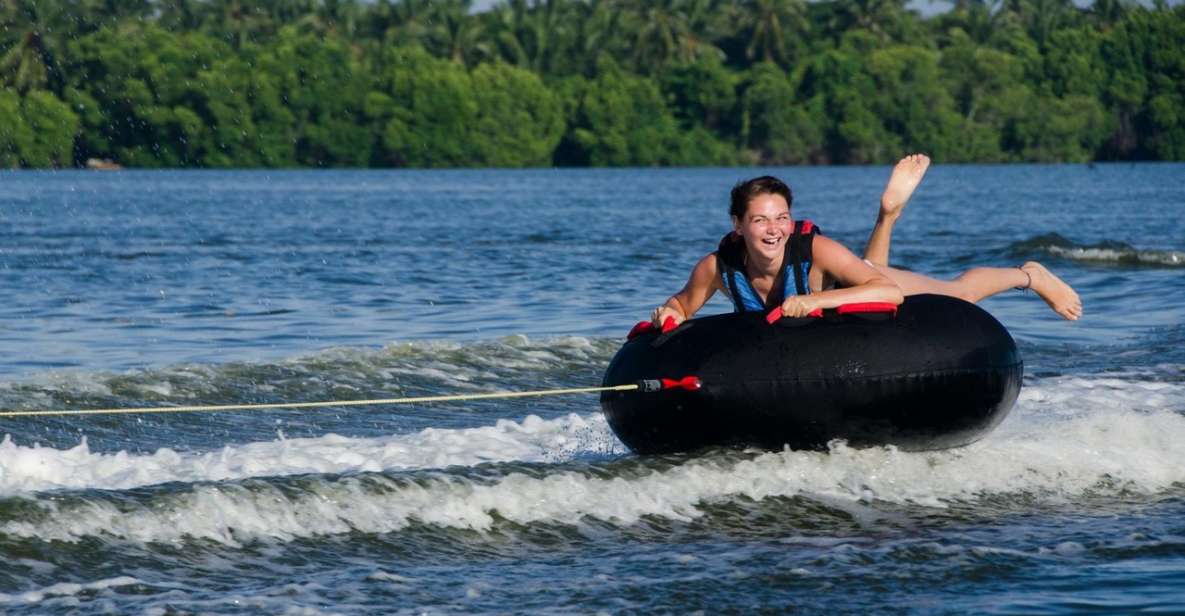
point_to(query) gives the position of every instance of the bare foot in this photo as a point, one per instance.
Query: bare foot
(907, 174)
(1053, 290)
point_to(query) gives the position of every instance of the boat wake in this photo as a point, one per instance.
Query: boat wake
(1110, 252)
(1069, 438)
(34, 468)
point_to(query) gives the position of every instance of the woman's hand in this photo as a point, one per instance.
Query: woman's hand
(797, 306)
(661, 313)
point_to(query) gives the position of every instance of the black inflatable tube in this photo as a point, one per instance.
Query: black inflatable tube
(942, 373)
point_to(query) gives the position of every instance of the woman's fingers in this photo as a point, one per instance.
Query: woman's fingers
(661, 313)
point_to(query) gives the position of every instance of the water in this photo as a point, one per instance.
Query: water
(171, 288)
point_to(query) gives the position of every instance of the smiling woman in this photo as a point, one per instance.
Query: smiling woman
(765, 251)
(769, 262)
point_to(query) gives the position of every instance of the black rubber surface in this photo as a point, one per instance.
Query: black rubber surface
(940, 374)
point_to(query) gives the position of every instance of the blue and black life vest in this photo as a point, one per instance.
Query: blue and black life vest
(796, 266)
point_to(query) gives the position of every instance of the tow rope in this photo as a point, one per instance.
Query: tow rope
(690, 383)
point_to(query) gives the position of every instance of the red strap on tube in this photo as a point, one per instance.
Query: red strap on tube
(690, 383)
(645, 327)
(855, 308)
(641, 328)
(777, 313)
(867, 307)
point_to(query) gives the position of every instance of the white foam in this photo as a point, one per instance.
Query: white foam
(66, 589)
(1069, 437)
(28, 469)
(1116, 255)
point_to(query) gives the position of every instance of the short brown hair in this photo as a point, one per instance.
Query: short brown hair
(746, 191)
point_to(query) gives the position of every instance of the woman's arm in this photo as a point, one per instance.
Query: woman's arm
(700, 286)
(861, 282)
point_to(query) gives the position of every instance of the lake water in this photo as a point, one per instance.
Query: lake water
(177, 288)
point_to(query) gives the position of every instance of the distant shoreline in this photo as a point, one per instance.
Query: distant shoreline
(570, 83)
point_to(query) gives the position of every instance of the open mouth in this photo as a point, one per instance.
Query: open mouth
(771, 241)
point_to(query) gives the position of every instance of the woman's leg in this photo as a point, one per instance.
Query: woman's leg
(906, 176)
(972, 285)
(978, 283)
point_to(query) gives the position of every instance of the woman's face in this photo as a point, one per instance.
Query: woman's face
(766, 226)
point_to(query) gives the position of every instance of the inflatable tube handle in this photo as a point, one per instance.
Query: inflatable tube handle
(645, 327)
(867, 307)
(855, 308)
(777, 313)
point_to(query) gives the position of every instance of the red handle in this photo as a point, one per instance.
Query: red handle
(867, 307)
(645, 327)
(854, 308)
(690, 383)
(641, 328)
(777, 313)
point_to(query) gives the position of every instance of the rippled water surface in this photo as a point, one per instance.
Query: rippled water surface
(181, 288)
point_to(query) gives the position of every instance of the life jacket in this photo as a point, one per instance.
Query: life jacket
(796, 267)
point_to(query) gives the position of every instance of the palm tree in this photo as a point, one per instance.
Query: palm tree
(25, 66)
(526, 33)
(412, 23)
(881, 17)
(238, 21)
(182, 15)
(596, 29)
(660, 29)
(1040, 18)
(455, 34)
(978, 19)
(1107, 13)
(772, 28)
(29, 61)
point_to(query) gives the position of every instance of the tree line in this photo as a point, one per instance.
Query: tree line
(430, 83)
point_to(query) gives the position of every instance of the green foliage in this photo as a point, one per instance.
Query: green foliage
(421, 83)
(702, 92)
(323, 89)
(620, 119)
(435, 113)
(778, 128)
(13, 130)
(519, 120)
(49, 141)
(36, 130)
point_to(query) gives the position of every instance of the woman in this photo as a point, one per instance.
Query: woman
(769, 261)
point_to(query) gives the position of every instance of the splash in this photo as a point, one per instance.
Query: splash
(1071, 437)
(30, 469)
(1109, 252)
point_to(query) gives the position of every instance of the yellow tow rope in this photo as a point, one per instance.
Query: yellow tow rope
(327, 403)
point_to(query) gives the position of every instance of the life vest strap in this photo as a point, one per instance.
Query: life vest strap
(796, 265)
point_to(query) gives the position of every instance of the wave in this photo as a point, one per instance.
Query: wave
(33, 469)
(1118, 253)
(1070, 437)
(67, 589)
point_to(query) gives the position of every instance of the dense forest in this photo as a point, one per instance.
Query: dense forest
(419, 83)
